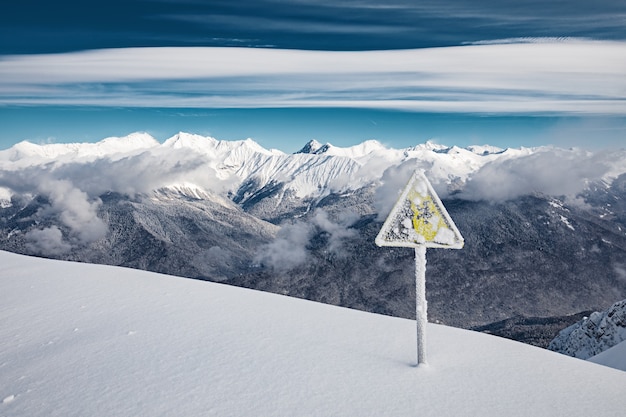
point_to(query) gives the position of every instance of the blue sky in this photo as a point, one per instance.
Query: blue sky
(511, 73)
(43, 26)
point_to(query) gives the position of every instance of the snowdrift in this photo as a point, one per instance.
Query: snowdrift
(92, 340)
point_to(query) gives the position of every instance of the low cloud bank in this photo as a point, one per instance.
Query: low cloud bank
(291, 248)
(48, 241)
(554, 172)
(548, 171)
(72, 191)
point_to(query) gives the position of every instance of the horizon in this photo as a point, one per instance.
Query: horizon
(288, 130)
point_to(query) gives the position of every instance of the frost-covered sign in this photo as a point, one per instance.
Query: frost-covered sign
(419, 220)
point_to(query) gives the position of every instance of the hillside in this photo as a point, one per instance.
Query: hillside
(92, 340)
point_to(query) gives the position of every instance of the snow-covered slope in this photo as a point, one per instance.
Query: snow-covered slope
(594, 334)
(614, 357)
(90, 340)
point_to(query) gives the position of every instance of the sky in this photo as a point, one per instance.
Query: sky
(507, 73)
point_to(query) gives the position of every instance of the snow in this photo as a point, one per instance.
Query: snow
(139, 163)
(566, 222)
(484, 149)
(354, 152)
(68, 152)
(614, 357)
(594, 334)
(5, 197)
(93, 340)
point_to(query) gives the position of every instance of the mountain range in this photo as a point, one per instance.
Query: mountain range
(544, 228)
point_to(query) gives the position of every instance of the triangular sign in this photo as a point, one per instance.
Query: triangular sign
(419, 219)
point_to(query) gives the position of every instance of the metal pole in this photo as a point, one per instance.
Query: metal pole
(420, 302)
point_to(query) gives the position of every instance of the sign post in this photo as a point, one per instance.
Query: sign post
(419, 220)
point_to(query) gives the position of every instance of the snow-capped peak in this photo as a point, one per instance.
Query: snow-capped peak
(188, 140)
(484, 149)
(108, 146)
(312, 146)
(210, 145)
(132, 141)
(429, 146)
(356, 151)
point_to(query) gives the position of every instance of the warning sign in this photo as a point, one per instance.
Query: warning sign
(419, 219)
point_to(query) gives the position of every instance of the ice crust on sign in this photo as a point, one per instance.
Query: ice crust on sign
(419, 218)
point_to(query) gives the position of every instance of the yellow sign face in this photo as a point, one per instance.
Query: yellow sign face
(419, 219)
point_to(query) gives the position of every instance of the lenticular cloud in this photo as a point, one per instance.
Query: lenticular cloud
(574, 76)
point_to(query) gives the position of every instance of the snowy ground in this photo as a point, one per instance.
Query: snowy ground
(91, 340)
(614, 357)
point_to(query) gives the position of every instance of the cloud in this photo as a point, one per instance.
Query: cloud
(554, 172)
(141, 173)
(620, 272)
(337, 232)
(217, 256)
(74, 209)
(290, 249)
(71, 206)
(48, 241)
(552, 77)
(393, 181)
(72, 189)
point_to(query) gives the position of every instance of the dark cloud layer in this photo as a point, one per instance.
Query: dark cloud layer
(42, 26)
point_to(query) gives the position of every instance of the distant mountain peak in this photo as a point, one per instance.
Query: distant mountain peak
(137, 140)
(484, 149)
(189, 140)
(108, 146)
(311, 147)
(430, 145)
(355, 151)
